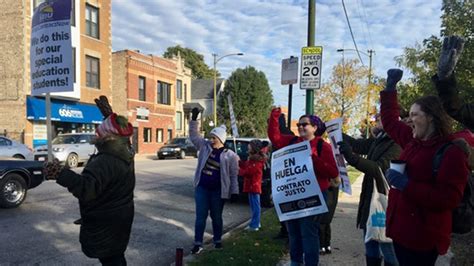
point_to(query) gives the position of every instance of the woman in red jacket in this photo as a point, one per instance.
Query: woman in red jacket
(252, 171)
(303, 232)
(420, 204)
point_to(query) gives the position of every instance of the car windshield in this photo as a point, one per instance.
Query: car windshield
(66, 140)
(177, 141)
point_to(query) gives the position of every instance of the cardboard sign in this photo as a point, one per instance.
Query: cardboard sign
(334, 130)
(296, 192)
(233, 121)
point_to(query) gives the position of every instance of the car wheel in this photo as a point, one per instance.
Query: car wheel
(182, 155)
(19, 156)
(72, 160)
(12, 191)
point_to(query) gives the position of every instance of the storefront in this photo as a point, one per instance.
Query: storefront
(66, 117)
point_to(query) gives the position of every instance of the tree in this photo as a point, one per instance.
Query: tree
(193, 60)
(252, 101)
(422, 59)
(345, 95)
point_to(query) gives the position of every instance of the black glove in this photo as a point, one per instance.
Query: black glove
(51, 170)
(346, 150)
(394, 75)
(195, 113)
(234, 198)
(449, 56)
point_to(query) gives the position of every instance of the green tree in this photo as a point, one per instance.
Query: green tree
(193, 60)
(422, 59)
(252, 101)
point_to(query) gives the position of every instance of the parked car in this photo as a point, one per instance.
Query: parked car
(11, 148)
(177, 148)
(240, 146)
(16, 177)
(70, 148)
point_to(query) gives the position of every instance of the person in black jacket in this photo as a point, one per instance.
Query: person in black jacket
(104, 189)
(379, 150)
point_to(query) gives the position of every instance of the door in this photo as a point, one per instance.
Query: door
(135, 139)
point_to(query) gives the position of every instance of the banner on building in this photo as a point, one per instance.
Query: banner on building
(295, 190)
(233, 121)
(51, 61)
(334, 130)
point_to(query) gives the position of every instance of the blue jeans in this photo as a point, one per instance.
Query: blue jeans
(254, 201)
(304, 239)
(374, 248)
(208, 201)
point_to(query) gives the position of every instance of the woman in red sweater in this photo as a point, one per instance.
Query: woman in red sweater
(252, 171)
(303, 232)
(420, 204)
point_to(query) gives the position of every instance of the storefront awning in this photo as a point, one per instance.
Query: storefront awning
(64, 111)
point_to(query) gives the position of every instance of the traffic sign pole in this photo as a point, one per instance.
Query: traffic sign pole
(311, 30)
(290, 101)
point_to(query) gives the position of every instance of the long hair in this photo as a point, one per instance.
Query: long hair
(431, 105)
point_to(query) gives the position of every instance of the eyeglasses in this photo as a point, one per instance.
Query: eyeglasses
(302, 124)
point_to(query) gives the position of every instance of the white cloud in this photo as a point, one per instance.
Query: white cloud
(268, 31)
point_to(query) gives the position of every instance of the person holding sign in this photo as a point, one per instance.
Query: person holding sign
(215, 181)
(420, 203)
(379, 151)
(303, 232)
(252, 172)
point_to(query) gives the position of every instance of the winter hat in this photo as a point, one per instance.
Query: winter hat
(256, 145)
(220, 132)
(115, 125)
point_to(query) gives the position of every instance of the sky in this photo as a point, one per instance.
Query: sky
(267, 31)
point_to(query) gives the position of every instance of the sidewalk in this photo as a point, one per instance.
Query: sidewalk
(346, 243)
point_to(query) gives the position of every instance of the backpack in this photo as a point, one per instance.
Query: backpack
(463, 214)
(319, 145)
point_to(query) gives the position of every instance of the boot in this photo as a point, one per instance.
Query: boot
(371, 261)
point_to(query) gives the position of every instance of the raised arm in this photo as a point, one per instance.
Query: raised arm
(196, 138)
(278, 139)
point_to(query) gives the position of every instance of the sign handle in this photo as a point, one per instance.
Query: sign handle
(48, 127)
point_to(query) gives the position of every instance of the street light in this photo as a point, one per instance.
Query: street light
(370, 52)
(217, 59)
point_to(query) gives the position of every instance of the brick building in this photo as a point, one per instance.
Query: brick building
(151, 92)
(21, 115)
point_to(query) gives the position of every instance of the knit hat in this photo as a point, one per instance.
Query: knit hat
(115, 125)
(220, 132)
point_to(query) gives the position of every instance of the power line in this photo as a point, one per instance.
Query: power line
(362, 22)
(367, 24)
(352, 34)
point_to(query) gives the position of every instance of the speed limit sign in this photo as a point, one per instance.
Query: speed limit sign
(310, 75)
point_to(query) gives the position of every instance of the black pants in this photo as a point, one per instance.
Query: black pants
(326, 218)
(325, 235)
(118, 260)
(409, 257)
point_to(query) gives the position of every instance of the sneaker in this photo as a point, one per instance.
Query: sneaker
(328, 250)
(322, 251)
(218, 246)
(196, 249)
(248, 228)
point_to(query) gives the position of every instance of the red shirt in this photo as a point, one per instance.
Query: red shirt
(419, 217)
(252, 172)
(324, 165)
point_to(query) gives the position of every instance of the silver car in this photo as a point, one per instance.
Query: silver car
(11, 148)
(71, 148)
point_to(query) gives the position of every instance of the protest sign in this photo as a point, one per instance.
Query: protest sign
(296, 192)
(51, 63)
(334, 130)
(233, 121)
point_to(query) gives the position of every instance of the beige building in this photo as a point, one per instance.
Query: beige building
(183, 96)
(22, 115)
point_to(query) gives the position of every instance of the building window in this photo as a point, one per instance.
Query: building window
(141, 89)
(159, 135)
(164, 91)
(170, 134)
(92, 72)
(185, 93)
(92, 21)
(179, 89)
(179, 121)
(146, 135)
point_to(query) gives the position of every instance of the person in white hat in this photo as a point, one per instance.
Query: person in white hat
(215, 181)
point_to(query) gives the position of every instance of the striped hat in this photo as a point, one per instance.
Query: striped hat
(115, 125)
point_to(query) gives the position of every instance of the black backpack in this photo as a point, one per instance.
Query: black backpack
(463, 214)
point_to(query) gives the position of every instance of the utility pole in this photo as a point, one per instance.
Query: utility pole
(311, 31)
(369, 87)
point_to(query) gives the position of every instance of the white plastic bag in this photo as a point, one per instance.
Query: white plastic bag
(375, 229)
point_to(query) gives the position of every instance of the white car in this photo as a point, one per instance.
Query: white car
(71, 148)
(11, 148)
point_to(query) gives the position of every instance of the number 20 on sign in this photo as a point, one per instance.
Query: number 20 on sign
(310, 75)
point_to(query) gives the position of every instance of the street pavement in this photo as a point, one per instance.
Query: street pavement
(41, 230)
